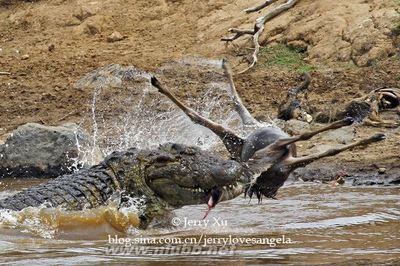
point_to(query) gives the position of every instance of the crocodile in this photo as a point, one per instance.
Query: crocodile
(164, 178)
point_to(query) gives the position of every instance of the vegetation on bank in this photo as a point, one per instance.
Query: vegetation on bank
(281, 55)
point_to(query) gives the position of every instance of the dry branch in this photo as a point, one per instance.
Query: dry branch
(238, 34)
(259, 7)
(259, 27)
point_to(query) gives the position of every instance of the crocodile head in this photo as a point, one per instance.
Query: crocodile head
(175, 175)
(188, 175)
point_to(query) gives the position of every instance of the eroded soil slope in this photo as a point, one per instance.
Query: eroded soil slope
(46, 46)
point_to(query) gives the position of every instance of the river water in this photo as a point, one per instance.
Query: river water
(316, 224)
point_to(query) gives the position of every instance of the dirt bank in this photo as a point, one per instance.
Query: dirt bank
(46, 46)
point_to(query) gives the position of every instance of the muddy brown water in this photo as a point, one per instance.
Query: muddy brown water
(310, 223)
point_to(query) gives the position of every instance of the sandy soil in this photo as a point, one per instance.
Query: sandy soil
(48, 45)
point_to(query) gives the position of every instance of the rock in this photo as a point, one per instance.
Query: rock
(84, 12)
(293, 126)
(363, 182)
(343, 135)
(34, 150)
(91, 26)
(73, 21)
(324, 173)
(353, 173)
(381, 170)
(395, 181)
(25, 57)
(299, 45)
(51, 47)
(115, 37)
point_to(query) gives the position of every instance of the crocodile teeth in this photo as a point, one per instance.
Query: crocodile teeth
(195, 189)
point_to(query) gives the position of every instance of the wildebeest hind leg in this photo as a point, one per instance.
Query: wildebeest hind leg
(305, 160)
(308, 135)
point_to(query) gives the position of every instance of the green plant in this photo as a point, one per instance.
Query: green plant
(283, 56)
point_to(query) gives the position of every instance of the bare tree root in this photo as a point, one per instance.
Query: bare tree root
(259, 27)
(259, 7)
(256, 49)
(238, 33)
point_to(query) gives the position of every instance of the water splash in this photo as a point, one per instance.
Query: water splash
(51, 223)
(126, 111)
(95, 126)
(87, 151)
